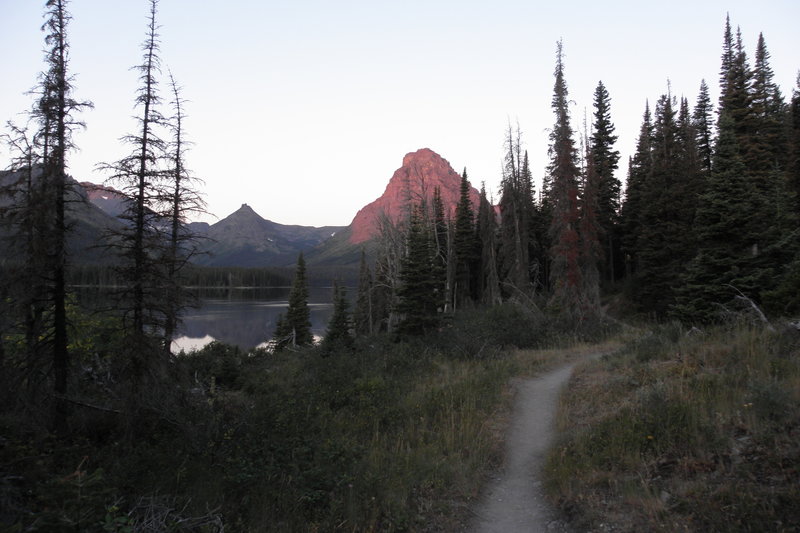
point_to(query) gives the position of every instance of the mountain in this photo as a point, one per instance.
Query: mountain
(244, 238)
(422, 171)
(106, 198)
(88, 223)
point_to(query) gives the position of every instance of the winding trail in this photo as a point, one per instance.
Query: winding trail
(514, 500)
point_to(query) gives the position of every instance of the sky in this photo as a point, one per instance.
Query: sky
(304, 109)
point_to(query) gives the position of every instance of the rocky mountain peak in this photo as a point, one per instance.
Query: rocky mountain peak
(421, 173)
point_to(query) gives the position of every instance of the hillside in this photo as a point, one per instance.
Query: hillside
(246, 239)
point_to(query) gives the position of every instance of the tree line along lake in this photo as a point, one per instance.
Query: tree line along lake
(243, 316)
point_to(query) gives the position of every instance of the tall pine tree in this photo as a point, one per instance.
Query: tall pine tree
(604, 160)
(486, 229)
(640, 167)
(138, 244)
(704, 128)
(565, 273)
(294, 328)
(362, 316)
(724, 214)
(418, 301)
(464, 246)
(515, 216)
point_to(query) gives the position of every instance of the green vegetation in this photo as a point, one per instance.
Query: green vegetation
(383, 435)
(684, 430)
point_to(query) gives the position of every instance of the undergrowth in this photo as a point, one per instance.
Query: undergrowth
(391, 435)
(684, 431)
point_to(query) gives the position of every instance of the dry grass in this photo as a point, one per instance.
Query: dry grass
(684, 432)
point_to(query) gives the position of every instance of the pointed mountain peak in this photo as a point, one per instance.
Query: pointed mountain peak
(422, 172)
(245, 209)
(245, 212)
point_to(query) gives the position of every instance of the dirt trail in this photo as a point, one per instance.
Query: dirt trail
(514, 500)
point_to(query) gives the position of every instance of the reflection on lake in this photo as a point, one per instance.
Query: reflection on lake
(245, 317)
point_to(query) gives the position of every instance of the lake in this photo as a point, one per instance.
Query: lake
(246, 317)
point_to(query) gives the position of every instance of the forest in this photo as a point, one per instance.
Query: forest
(387, 423)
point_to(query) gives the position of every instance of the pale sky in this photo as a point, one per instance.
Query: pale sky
(304, 109)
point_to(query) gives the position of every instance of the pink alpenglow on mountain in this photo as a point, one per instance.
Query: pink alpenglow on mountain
(421, 173)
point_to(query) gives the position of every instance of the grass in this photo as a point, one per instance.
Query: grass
(389, 436)
(684, 432)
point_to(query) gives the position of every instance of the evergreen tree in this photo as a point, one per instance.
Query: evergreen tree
(57, 106)
(182, 200)
(727, 60)
(486, 228)
(768, 140)
(362, 316)
(337, 335)
(42, 188)
(689, 173)
(565, 271)
(295, 326)
(442, 273)
(298, 314)
(590, 232)
(464, 246)
(703, 128)
(793, 164)
(392, 245)
(417, 304)
(639, 168)
(665, 213)
(724, 215)
(25, 217)
(140, 243)
(736, 96)
(514, 219)
(605, 160)
(536, 230)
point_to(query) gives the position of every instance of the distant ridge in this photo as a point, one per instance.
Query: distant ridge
(246, 239)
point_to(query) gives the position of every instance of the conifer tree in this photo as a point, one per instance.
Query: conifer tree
(442, 271)
(664, 218)
(724, 214)
(139, 177)
(768, 150)
(640, 166)
(514, 218)
(337, 335)
(793, 164)
(417, 298)
(362, 316)
(182, 199)
(464, 246)
(727, 60)
(392, 245)
(736, 94)
(57, 106)
(590, 231)
(565, 271)
(689, 172)
(295, 326)
(605, 161)
(703, 128)
(486, 228)
(42, 168)
(25, 217)
(536, 230)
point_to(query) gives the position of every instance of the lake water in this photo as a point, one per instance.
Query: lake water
(245, 317)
